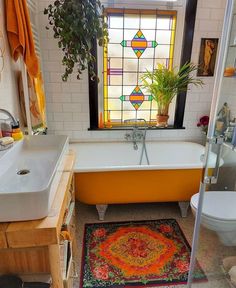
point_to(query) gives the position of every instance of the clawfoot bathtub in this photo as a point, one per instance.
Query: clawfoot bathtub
(108, 173)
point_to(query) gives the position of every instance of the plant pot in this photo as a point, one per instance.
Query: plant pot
(162, 121)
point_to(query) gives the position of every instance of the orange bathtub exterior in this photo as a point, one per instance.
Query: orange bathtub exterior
(137, 186)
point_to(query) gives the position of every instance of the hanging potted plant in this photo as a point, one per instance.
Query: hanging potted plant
(76, 24)
(164, 84)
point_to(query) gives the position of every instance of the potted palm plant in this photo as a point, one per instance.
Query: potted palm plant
(164, 84)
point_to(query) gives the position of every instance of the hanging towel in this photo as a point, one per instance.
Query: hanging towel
(36, 102)
(22, 43)
(20, 34)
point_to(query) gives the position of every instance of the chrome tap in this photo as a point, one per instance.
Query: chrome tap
(135, 136)
(138, 135)
(14, 121)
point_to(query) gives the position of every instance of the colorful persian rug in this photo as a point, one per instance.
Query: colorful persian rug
(140, 254)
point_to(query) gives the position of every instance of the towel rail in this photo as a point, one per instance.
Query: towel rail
(32, 5)
(33, 10)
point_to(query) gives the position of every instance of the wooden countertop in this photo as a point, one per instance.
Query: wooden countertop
(45, 231)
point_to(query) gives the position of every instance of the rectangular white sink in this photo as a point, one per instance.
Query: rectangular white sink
(29, 174)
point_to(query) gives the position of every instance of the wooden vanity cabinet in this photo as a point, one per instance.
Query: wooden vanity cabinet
(35, 247)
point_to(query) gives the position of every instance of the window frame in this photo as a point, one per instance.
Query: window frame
(187, 43)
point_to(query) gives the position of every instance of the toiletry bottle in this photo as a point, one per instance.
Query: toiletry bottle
(16, 132)
(108, 124)
(101, 124)
(6, 129)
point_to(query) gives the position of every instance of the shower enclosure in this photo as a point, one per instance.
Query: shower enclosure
(209, 250)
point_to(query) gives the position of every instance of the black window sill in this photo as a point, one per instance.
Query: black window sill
(131, 128)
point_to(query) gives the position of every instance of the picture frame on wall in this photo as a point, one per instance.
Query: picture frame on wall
(207, 57)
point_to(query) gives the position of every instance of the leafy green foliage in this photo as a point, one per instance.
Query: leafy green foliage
(164, 84)
(76, 24)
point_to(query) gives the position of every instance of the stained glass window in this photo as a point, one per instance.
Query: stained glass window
(138, 41)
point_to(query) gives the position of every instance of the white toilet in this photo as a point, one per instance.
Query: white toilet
(219, 214)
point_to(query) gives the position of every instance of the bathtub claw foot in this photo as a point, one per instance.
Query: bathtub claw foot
(184, 208)
(101, 211)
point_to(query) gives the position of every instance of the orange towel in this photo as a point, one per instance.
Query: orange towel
(36, 102)
(20, 34)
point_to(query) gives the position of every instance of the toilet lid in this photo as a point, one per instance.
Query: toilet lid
(218, 204)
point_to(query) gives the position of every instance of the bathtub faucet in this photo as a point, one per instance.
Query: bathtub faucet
(135, 136)
(138, 135)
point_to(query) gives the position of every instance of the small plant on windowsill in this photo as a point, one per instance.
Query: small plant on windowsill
(76, 24)
(164, 84)
(203, 124)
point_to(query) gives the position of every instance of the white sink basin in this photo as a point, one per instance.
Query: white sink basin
(29, 174)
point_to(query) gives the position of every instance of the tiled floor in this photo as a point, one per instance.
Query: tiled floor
(210, 252)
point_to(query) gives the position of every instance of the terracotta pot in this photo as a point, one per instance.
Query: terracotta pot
(162, 121)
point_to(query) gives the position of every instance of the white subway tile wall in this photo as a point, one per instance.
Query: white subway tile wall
(68, 103)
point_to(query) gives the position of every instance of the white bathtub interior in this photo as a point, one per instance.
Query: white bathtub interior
(108, 156)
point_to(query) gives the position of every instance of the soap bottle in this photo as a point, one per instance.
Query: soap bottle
(6, 129)
(101, 124)
(16, 132)
(108, 124)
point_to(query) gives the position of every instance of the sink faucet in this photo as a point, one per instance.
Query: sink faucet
(13, 119)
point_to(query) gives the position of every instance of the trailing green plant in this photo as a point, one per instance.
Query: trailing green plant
(164, 84)
(76, 24)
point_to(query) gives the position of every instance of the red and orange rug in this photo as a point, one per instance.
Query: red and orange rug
(143, 253)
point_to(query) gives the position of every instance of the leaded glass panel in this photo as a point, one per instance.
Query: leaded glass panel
(138, 41)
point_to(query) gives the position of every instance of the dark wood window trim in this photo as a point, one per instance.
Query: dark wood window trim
(93, 92)
(189, 25)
